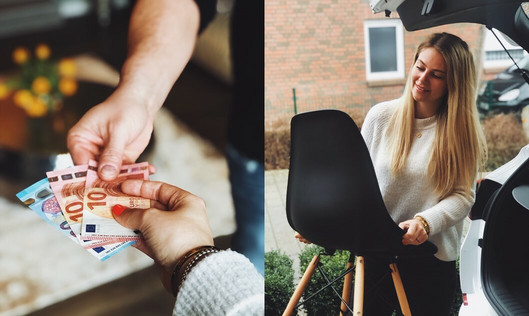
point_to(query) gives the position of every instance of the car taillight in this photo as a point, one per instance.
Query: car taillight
(465, 300)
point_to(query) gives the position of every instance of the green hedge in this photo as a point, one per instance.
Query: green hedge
(279, 282)
(326, 302)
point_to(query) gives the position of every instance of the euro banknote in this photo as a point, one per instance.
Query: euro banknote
(68, 186)
(66, 198)
(99, 198)
(39, 197)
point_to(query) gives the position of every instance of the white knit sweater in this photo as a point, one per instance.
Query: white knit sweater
(224, 283)
(412, 191)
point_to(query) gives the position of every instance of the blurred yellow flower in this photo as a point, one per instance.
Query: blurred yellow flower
(68, 86)
(42, 51)
(41, 85)
(37, 108)
(20, 55)
(67, 67)
(4, 91)
(23, 98)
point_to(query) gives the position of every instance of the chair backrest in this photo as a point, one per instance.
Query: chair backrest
(333, 197)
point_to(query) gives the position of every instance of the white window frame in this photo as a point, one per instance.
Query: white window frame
(385, 75)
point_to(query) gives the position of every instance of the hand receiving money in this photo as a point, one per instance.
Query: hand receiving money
(78, 203)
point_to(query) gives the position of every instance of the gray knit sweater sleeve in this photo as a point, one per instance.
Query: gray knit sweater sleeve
(224, 283)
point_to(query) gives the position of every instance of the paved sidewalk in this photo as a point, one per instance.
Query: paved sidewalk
(278, 233)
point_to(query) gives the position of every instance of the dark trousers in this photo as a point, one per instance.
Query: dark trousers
(429, 284)
(247, 188)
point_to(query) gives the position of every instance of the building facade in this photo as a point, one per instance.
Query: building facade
(338, 54)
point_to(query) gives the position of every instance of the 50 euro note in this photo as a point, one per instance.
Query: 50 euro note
(99, 198)
(40, 198)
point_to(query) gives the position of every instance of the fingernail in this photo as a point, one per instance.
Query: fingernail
(108, 171)
(118, 209)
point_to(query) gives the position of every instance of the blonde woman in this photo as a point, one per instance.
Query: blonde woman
(426, 147)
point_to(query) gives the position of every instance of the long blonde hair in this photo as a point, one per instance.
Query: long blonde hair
(459, 145)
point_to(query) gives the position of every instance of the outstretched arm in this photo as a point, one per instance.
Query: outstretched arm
(161, 39)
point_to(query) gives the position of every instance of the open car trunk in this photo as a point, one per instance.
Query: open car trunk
(507, 16)
(502, 201)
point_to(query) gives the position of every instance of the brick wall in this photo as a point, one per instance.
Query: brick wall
(317, 47)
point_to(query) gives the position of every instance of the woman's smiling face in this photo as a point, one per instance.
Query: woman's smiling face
(429, 80)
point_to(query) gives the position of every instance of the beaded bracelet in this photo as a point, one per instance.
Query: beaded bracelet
(186, 263)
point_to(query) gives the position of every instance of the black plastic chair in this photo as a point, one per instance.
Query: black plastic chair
(333, 200)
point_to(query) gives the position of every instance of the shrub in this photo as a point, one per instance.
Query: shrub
(326, 302)
(505, 138)
(277, 145)
(279, 282)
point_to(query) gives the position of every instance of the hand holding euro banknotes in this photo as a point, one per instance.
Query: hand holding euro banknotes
(161, 220)
(78, 203)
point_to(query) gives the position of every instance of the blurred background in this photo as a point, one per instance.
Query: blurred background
(76, 48)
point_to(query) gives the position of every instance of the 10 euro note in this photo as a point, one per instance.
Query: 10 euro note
(100, 196)
(68, 186)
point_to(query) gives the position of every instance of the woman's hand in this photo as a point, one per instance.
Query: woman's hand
(415, 232)
(176, 223)
(301, 238)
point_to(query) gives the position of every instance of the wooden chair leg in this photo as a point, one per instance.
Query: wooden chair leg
(358, 303)
(346, 291)
(401, 294)
(301, 286)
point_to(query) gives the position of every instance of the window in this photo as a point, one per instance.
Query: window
(384, 49)
(495, 56)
